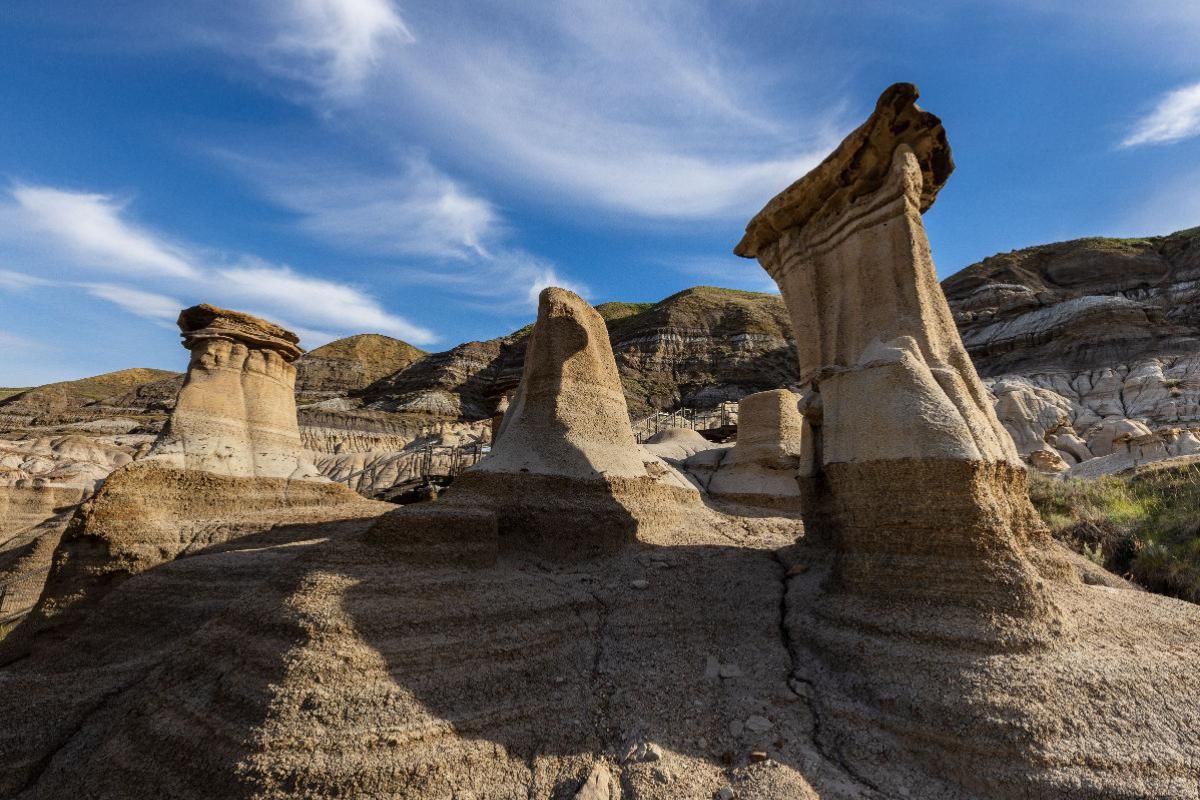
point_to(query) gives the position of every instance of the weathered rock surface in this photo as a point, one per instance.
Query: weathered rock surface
(42, 479)
(893, 404)
(72, 401)
(307, 658)
(231, 449)
(937, 603)
(761, 467)
(1105, 329)
(695, 348)
(565, 475)
(236, 412)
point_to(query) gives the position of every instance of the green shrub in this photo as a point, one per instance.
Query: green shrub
(1146, 527)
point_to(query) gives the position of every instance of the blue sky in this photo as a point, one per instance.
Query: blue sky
(422, 169)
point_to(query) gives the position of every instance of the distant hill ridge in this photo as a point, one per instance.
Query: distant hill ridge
(1075, 308)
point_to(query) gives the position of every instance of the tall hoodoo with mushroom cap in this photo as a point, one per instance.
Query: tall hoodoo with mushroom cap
(897, 415)
(236, 413)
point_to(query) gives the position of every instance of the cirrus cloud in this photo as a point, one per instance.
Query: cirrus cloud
(1174, 118)
(82, 233)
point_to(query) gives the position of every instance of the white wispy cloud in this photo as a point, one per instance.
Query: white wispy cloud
(150, 305)
(636, 107)
(18, 281)
(93, 227)
(82, 233)
(1175, 117)
(333, 44)
(649, 109)
(411, 209)
(315, 300)
(412, 212)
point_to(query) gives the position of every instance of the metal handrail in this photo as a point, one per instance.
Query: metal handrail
(697, 419)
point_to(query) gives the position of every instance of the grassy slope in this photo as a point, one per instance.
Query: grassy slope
(7, 393)
(1146, 527)
(378, 356)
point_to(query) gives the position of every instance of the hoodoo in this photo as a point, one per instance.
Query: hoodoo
(761, 469)
(566, 475)
(236, 413)
(898, 417)
(940, 636)
(231, 449)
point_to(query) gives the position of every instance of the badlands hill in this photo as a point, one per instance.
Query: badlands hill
(58, 401)
(1090, 346)
(1081, 305)
(695, 348)
(351, 364)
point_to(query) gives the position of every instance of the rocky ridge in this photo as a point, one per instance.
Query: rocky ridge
(1090, 347)
(695, 348)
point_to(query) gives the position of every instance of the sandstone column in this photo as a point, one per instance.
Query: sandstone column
(910, 470)
(565, 476)
(236, 412)
(771, 447)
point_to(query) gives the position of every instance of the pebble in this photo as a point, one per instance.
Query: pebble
(712, 668)
(725, 793)
(758, 724)
(736, 727)
(642, 750)
(640, 583)
(730, 671)
(758, 756)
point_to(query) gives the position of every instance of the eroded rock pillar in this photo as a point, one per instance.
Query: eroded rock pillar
(565, 477)
(911, 473)
(236, 412)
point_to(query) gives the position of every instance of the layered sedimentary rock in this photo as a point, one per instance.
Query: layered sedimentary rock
(1105, 328)
(695, 348)
(349, 365)
(312, 662)
(761, 467)
(42, 479)
(436, 455)
(236, 412)
(73, 401)
(944, 645)
(566, 475)
(231, 449)
(898, 417)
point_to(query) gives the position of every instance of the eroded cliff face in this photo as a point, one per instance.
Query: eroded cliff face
(1089, 347)
(695, 348)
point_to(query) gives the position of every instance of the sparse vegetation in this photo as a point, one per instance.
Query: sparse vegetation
(6, 393)
(1146, 528)
(618, 310)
